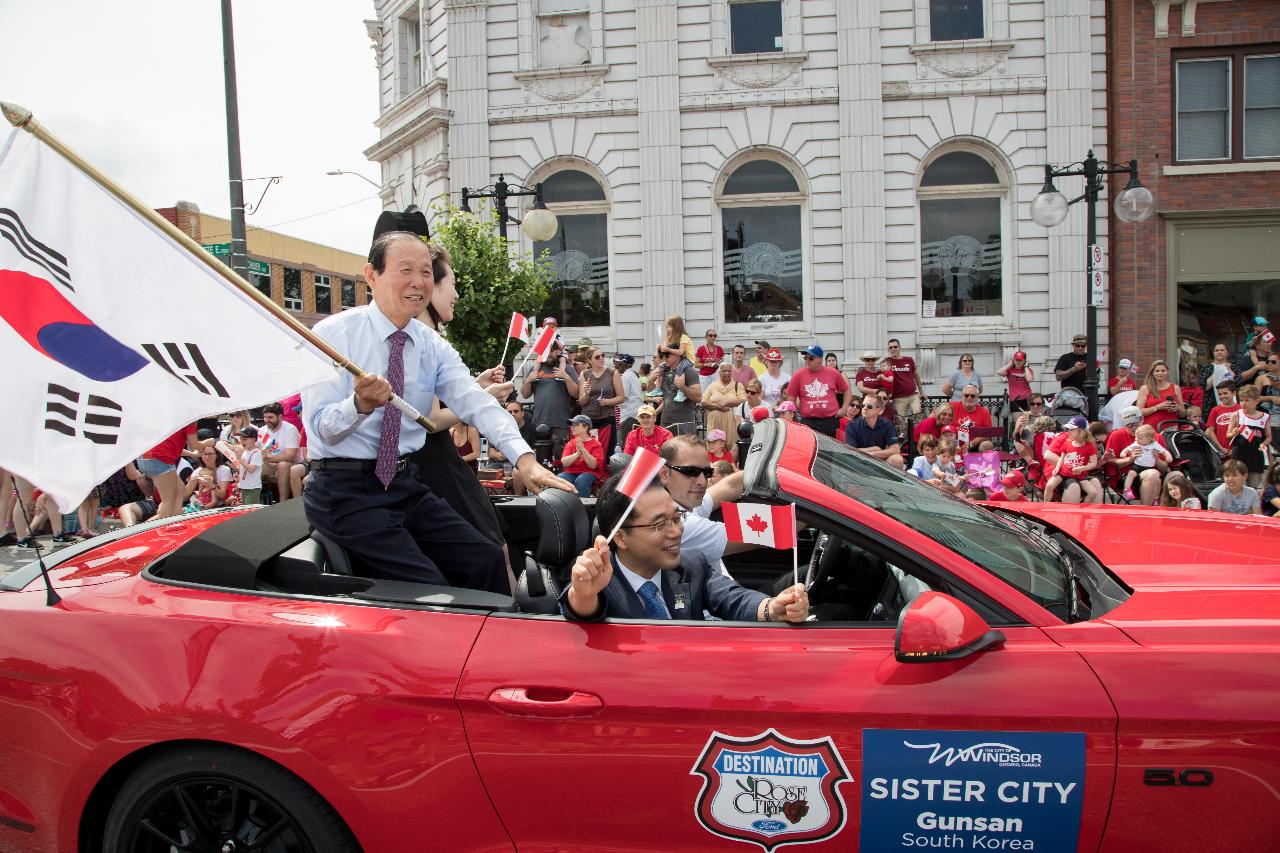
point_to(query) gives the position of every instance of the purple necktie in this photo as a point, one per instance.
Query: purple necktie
(389, 443)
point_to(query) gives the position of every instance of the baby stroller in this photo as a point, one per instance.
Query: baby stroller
(1193, 454)
(1066, 404)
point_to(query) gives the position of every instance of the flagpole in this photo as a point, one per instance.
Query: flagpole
(21, 118)
(618, 526)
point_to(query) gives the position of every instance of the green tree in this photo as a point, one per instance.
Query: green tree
(491, 284)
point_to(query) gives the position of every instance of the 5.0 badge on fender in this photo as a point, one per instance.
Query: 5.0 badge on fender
(771, 790)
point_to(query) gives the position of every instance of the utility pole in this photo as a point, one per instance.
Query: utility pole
(239, 251)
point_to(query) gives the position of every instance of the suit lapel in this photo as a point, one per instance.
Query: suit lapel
(624, 602)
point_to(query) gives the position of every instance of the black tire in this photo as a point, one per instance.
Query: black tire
(185, 799)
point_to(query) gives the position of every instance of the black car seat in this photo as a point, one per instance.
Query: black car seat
(565, 529)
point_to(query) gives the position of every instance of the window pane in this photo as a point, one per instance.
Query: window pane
(756, 27)
(262, 282)
(571, 185)
(960, 256)
(1203, 85)
(1202, 136)
(959, 167)
(1262, 106)
(760, 176)
(348, 293)
(293, 289)
(324, 300)
(763, 264)
(950, 20)
(1204, 120)
(579, 256)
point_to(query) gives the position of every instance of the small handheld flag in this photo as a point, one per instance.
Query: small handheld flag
(541, 346)
(769, 525)
(519, 328)
(640, 472)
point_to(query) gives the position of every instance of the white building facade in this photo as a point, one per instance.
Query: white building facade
(838, 171)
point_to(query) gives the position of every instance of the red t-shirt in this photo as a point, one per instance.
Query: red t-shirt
(704, 354)
(815, 391)
(1073, 456)
(590, 446)
(965, 420)
(904, 382)
(1119, 439)
(928, 426)
(1193, 396)
(721, 457)
(875, 380)
(1115, 384)
(636, 438)
(999, 496)
(1219, 420)
(170, 450)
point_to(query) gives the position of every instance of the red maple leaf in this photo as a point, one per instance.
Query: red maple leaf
(758, 524)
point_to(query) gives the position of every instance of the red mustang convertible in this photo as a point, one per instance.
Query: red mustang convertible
(1034, 677)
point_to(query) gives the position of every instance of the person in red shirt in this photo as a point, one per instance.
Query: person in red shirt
(1124, 379)
(969, 413)
(582, 462)
(1220, 417)
(709, 356)
(906, 381)
(647, 433)
(1011, 488)
(1148, 480)
(1159, 399)
(870, 379)
(1074, 457)
(813, 389)
(160, 463)
(941, 417)
(716, 447)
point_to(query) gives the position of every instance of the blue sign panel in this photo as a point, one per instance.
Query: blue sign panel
(971, 790)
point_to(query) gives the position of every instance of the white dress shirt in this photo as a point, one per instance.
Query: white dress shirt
(431, 368)
(633, 395)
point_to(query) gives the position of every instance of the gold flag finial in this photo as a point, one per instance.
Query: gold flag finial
(17, 115)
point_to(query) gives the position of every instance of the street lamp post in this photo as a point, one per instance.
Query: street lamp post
(539, 223)
(1049, 208)
(368, 181)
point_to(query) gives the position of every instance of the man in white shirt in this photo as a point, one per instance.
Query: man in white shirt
(279, 441)
(632, 395)
(363, 493)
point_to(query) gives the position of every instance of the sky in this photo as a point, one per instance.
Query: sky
(136, 88)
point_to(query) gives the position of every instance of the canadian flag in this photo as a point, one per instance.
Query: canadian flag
(643, 467)
(519, 327)
(769, 525)
(542, 345)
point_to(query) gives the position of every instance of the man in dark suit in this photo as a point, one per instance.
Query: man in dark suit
(644, 577)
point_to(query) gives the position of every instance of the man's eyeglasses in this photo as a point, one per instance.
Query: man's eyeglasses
(894, 346)
(970, 396)
(692, 471)
(866, 406)
(660, 526)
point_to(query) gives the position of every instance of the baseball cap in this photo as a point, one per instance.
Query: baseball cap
(1131, 415)
(581, 419)
(1080, 339)
(1013, 479)
(813, 351)
(1019, 355)
(772, 355)
(717, 435)
(625, 358)
(585, 342)
(249, 432)
(1125, 363)
(870, 355)
(762, 343)
(646, 409)
(786, 406)
(759, 413)
(1078, 422)
(1259, 321)
(947, 428)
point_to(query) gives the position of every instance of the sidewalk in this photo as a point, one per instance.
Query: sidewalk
(13, 558)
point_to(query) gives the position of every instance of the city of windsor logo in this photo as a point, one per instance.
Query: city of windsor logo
(771, 790)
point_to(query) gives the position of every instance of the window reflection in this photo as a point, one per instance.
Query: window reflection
(579, 251)
(961, 248)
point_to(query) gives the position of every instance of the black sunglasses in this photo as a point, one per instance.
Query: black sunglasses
(692, 471)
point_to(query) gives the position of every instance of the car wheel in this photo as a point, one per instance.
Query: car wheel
(222, 800)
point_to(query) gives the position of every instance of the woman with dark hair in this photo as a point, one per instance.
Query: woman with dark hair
(206, 488)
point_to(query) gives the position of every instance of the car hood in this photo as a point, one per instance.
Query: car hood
(1196, 576)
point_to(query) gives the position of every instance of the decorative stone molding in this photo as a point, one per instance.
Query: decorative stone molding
(435, 167)
(962, 59)
(757, 70)
(418, 101)
(563, 84)
(1188, 15)
(971, 86)
(614, 107)
(460, 4)
(374, 29)
(758, 97)
(430, 120)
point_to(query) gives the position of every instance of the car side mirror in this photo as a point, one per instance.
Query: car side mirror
(937, 627)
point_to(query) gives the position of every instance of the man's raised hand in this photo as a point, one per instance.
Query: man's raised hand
(588, 578)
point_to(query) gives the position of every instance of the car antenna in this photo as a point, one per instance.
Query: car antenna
(51, 596)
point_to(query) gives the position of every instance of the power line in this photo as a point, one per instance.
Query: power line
(217, 237)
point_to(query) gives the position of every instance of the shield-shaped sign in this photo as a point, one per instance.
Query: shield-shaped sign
(771, 790)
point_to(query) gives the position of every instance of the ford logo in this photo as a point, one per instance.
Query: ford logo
(769, 826)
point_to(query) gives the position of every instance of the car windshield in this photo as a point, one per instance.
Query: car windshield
(1014, 554)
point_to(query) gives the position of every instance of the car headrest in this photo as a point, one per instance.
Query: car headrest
(537, 590)
(565, 530)
(618, 462)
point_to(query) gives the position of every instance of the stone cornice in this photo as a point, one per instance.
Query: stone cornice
(964, 86)
(562, 84)
(463, 4)
(756, 70)
(432, 119)
(415, 103)
(733, 98)
(610, 107)
(962, 59)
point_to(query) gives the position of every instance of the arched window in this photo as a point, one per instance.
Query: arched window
(962, 211)
(579, 250)
(762, 225)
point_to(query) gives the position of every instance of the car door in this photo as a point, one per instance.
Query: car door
(688, 736)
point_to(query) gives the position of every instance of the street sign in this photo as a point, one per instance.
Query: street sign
(1096, 289)
(1096, 254)
(218, 250)
(259, 267)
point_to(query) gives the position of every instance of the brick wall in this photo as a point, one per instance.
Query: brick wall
(1141, 127)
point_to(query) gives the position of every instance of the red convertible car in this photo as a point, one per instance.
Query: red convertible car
(1034, 677)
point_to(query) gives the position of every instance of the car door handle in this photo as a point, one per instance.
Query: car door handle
(544, 702)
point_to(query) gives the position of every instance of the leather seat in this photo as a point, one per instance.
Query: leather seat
(566, 533)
